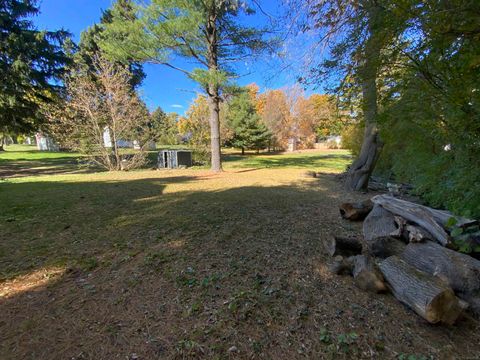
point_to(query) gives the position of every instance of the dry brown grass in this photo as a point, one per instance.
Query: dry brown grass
(187, 264)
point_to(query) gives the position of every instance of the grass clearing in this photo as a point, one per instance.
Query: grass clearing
(189, 264)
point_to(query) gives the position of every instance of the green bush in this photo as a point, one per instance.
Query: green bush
(352, 137)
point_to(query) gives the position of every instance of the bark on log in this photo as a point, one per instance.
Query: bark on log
(442, 217)
(346, 246)
(356, 211)
(417, 234)
(473, 300)
(415, 213)
(380, 223)
(385, 246)
(428, 296)
(460, 271)
(341, 265)
(366, 276)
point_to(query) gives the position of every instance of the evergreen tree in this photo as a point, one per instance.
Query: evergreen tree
(89, 49)
(164, 127)
(249, 131)
(29, 62)
(206, 32)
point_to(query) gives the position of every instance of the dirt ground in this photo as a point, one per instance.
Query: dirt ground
(227, 266)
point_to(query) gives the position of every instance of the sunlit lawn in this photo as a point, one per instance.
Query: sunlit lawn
(56, 219)
(181, 264)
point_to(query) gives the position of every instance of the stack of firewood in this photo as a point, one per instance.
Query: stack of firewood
(406, 248)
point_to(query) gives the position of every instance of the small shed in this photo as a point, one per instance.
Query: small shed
(172, 159)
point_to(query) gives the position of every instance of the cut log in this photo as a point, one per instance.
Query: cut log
(428, 296)
(473, 300)
(460, 271)
(442, 217)
(385, 246)
(346, 246)
(356, 211)
(341, 265)
(380, 223)
(380, 230)
(415, 213)
(416, 233)
(366, 276)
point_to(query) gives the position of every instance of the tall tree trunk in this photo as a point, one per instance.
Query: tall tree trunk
(243, 151)
(213, 90)
(2, 141)
(214, 104)
(363, 166)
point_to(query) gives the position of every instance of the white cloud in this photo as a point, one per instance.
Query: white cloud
(178, 106)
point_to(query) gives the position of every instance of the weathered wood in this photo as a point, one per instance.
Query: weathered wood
(460, 271)
(346, 246)
(356, 211)
(380, 223)
(385, 246)
(416, 233)
(428, 296)
(341, 266)
(415, 213)
(366, 276)
(473, 300)
(442, 217)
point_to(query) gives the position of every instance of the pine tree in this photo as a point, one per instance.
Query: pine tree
(29, 61)
(206, 32)
(249, 131)
(89, 49)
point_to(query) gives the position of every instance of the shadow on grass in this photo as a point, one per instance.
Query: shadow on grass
(162, 270)
(48, 223)
(22, 167)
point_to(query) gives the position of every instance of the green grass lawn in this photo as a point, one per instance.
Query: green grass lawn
(30, 153)
(186, 264)
(331, 160)
(26, 160)
(56, 193)
(23, 160)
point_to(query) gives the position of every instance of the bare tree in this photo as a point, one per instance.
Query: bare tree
(101, 112)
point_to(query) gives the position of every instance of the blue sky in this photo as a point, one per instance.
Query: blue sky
(163, 86)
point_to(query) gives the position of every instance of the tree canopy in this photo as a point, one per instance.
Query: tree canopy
(207, 32)
(31, 62)
(249, 132)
